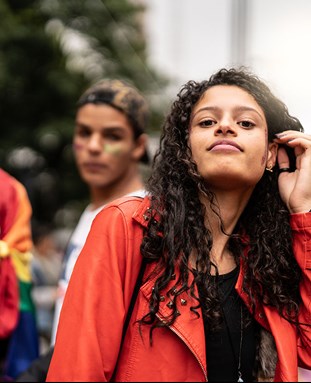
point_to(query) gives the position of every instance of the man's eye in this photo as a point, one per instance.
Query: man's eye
(83, 133)
(208, 122)
(246, 124)
(113, 137)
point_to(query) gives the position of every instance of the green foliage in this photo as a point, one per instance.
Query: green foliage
(50, 51)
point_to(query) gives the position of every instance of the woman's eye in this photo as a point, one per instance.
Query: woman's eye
(208, 122)
(246, 124)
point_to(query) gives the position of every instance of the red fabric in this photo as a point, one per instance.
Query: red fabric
(9, 297)
(11, 208)
(18, 233)
(98, 296)
(8, 203)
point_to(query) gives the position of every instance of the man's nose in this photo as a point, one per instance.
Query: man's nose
(95, 143)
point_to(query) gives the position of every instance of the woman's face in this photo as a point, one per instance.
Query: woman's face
(229, 138)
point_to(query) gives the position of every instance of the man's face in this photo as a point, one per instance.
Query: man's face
(104, 145)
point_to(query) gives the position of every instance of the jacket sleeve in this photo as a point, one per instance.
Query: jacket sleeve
(301, 229)
(94, 308)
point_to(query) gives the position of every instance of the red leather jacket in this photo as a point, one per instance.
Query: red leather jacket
(99, 293)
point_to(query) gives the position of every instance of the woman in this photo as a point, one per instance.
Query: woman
(224, 233)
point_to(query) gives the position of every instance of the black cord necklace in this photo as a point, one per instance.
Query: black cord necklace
(238, 362)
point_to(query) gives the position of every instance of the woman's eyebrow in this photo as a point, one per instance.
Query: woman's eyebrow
(248, 109)
(212, 108)
(241, 108)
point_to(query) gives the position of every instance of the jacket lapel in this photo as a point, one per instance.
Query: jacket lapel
(187, 326)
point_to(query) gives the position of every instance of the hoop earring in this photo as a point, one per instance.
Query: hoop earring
(269, 168)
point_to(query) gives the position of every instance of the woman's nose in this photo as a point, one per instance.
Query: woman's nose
(226, 126)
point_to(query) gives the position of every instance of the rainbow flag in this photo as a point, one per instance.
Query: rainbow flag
(16, 245)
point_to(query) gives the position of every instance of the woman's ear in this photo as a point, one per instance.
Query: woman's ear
(272, 154)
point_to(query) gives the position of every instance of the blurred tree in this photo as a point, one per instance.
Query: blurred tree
(50, 51)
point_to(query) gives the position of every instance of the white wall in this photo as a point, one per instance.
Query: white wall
(190, 39)
(279, 49)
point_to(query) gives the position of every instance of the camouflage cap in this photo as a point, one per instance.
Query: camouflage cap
(124, 97)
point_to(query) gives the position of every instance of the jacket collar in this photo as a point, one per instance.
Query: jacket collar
(143, 213)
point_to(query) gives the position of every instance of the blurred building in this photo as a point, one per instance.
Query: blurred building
(190, 39)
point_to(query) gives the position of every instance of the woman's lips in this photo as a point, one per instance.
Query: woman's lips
(225, 145)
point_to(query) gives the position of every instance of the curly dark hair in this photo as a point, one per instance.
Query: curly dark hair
(272, 274)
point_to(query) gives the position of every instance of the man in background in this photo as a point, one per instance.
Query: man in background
(110, 144)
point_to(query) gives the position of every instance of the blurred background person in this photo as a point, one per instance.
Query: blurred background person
(45, 269)
(109, 143)
(18, 331)
(111, 152)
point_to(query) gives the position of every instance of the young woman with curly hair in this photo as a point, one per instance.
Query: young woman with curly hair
(225, 239)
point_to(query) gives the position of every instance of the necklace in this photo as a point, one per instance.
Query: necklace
(238, 362)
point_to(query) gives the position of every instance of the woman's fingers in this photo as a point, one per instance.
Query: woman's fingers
(283, 159)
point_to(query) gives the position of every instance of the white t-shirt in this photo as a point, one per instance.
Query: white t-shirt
(73, 250)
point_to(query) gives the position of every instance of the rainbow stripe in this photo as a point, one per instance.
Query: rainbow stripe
(16, 243)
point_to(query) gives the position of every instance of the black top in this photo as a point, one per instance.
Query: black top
(223, 346)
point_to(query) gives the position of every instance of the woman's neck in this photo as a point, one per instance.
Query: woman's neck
(231, 206)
